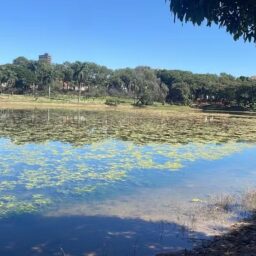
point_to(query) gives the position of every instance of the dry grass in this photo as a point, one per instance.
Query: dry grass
(29, 102)
(224, 203)
(249, 201)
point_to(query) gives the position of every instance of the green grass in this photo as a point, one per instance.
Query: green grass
(61, 98)
(93, 103)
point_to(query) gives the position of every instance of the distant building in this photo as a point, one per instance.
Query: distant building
(45, 58)
(253, 77)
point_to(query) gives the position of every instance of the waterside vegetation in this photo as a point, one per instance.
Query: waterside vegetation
(139, 86)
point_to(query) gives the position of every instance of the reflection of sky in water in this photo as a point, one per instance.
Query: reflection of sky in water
(113, 194)
(37, 175)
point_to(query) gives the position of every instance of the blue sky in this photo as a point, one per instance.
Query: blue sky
(118, 33)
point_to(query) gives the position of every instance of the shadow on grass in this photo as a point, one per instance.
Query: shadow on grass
(98, 235)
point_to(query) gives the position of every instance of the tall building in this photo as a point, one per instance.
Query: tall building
(45, 58)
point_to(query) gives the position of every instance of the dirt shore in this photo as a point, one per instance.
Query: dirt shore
(240, 241)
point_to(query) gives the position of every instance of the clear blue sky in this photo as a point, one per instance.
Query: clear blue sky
(118, 33)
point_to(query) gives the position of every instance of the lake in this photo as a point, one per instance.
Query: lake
(76, 182)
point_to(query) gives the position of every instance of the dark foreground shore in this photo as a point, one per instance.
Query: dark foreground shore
(240, 241)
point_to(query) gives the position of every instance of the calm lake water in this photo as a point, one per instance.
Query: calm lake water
(113, 183)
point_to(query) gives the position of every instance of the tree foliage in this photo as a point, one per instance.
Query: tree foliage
(142, 84)
(237, 16)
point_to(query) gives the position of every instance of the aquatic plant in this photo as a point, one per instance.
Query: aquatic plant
(44, 161)
(87, 127)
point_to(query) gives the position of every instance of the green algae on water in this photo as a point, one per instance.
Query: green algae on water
(43, 161)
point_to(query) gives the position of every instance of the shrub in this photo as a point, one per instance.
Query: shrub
(112, 102)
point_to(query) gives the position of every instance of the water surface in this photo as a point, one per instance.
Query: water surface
(113, 183)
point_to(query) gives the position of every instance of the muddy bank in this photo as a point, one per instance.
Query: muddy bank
(229, 223)
(241, 240)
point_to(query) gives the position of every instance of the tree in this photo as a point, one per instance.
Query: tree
(67, 74)
(180, 93)
(8, 77)
(148, 88)
(79, 76)
(33, 67)
(21, 61)
(24, 78)
(143, 84)
(237, 16)
(1, 78)
(45, 76)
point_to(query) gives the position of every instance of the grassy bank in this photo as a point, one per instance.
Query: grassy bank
(99, 103)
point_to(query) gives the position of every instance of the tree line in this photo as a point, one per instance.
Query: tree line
(143, 84)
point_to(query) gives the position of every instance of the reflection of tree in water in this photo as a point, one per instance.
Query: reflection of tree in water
(101, 149)
(85, 127)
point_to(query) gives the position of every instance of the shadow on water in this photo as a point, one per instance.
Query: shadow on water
(91, 235)
(29, 133)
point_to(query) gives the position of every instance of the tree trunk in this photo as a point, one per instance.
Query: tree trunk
(79, 92)
(134, 97)
(34, 90)
(49, 91)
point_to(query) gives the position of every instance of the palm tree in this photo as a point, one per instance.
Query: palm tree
(48, 80)
(79, 76)
(34, 68)
(46, 76)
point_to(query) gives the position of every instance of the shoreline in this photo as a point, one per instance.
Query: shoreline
(29, 102)
(240, 240)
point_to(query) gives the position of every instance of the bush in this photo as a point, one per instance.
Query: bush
(112, 102)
